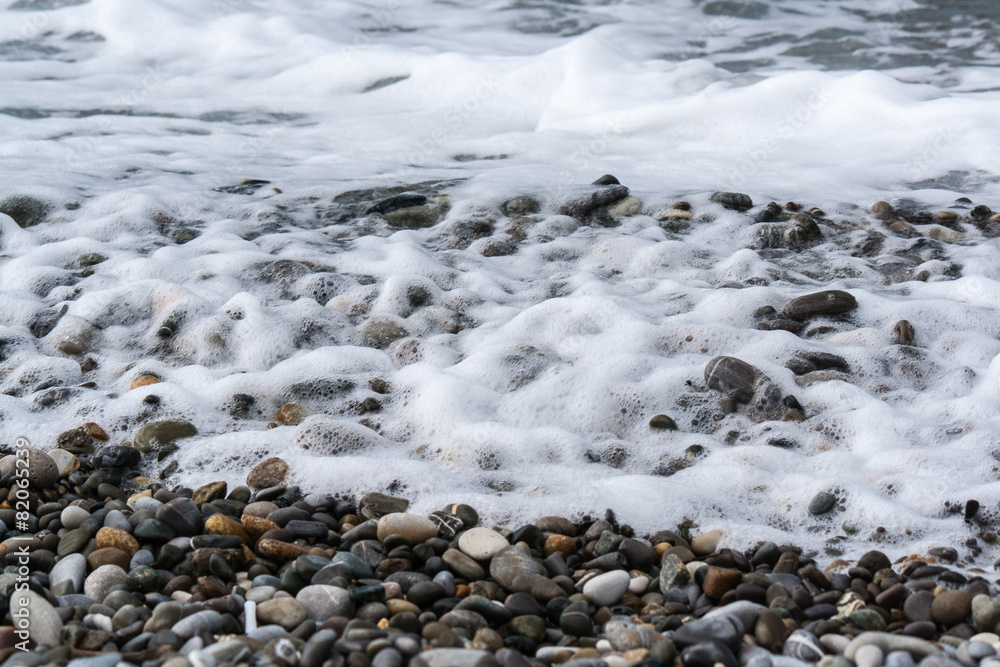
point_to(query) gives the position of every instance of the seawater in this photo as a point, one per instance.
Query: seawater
(526, 381)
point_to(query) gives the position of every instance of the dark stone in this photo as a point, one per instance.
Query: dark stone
(822, 502)
(26, 211)
(734, 201)
(727, 630)
(182, 515)
(397, 202)
(601, 195)
(708, 654)
(829, 302)
(733, 377)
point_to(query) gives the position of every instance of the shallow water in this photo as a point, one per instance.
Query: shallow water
(526, 381)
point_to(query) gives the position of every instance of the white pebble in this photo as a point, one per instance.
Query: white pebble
(604, 646)
(250, 611)
(638, 585)
(869, 656)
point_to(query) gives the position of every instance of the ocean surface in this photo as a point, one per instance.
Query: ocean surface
(514, 362)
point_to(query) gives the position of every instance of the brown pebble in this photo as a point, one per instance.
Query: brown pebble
(256, 526)
(269, 472)
(220, 524)
(95, 431)
(882, 210)
(902, 333)
(720, 580)
(904, 229)
(556, 524)
(951, 607)
(117, 539)
(209, 492)
(560, 544)
(278, 551)
(290, 414)
(143, 381)
(108, 556)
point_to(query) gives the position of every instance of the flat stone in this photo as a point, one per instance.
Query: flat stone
(154, 435)
(209, 621)
(209, 492)
(117, 456)
(376, 505)
(99, 582)
(455, 657)
(413, 527)
(286, 612)
(829, 302)
(733, 377)
(734, 201)
(481, 543)
(917, 648)
(608, 588)
(510, 562)
(720, 580)
(322, 602)
(68, 574)
(269, 472)
(463, 565)
(727, 630)
(44, 623)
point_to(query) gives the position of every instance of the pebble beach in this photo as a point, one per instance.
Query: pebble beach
(449, 333)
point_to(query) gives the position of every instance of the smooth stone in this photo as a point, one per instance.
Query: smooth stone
(286, 612)
(481, 543)
(917, 607)
(822, 503)
(733, 378)
(72, 517)
(413, 527)
(770, 631)
(985, 612)
(828, 302)
(625, 634)
(748, 612)
(868, 656)
(899, 659)
(66, 462)
(720, 580)
(68, 574)
(511, 561)
(708, 654)
(804, 646)
(155, 434)
(99, 582)
(456, 657)
(44, 623)
(116, 456)
(106, 660)
(268, 473)
(608, 588)
(182, 515)
(734, 201)
(917, 648)
(376, 505)
(977, 650)
(322, 602)
(951, 607)
(727, 630)
(209, 621)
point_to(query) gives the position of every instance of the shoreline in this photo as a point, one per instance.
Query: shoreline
(260, 574)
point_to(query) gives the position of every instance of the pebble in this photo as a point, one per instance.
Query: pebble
(736, 201)
(321, 602)
(268, 473)
(951, 607)
(481, 543)
(150, 437)
(100, 582)
(209, 621)
(412, 527)
(44, 624)
(67, 575)
(829, 302)
(607, 589)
